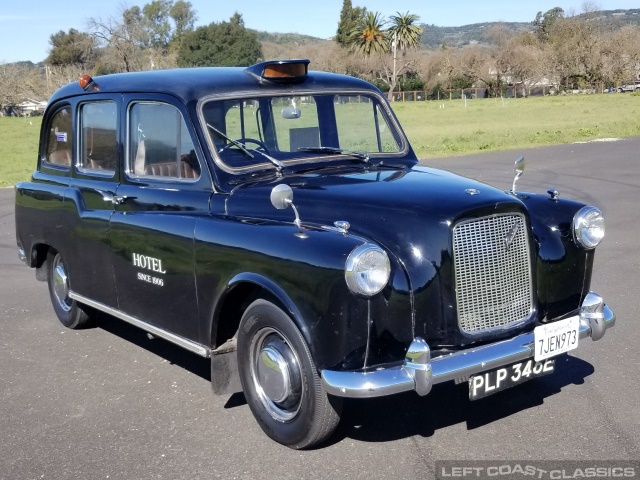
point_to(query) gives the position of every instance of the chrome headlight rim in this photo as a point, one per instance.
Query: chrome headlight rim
(354, 264)
(584, 224)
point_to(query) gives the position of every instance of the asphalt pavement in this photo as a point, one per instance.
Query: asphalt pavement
(109, 403)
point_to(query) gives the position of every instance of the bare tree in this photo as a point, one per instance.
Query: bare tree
(18, 83)
(124, 40)
(621, 52)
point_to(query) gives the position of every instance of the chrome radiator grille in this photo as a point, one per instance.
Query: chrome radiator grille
(492, 272)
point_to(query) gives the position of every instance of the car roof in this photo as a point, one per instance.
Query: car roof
(191, 84)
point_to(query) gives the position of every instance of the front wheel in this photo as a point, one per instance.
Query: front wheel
(70, 313)
(280, 382)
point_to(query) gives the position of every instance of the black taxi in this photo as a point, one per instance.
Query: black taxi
(277, 221)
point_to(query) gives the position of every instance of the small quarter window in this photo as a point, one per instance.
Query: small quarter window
(159, 143)
(59, 141)
(98, 141)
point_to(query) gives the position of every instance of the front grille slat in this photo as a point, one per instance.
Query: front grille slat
(492, 273)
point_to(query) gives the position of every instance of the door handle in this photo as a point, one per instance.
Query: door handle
(110, 197)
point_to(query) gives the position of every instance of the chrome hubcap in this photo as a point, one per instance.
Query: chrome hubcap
(61, 284)
(275, 371)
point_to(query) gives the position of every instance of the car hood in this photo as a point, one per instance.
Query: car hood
(408, 211)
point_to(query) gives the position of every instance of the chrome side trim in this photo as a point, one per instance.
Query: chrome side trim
(158, 332)
(461, 364)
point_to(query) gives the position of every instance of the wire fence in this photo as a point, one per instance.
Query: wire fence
(514, 91)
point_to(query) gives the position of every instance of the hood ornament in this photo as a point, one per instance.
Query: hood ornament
(472, 191)
(519, 169)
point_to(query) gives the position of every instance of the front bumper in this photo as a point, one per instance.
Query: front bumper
(420, 372)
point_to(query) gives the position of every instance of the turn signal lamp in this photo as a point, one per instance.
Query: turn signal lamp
(281, 71)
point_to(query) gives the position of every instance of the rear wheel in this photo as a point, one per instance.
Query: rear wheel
(70, 313)
(280, 382)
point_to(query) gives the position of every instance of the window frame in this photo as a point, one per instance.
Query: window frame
(44, 156)
(89, 171)
(403, 149)
(129, 164)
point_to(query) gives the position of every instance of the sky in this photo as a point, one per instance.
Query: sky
(26, 25)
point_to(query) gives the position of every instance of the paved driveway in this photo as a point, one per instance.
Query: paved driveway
(110, 403)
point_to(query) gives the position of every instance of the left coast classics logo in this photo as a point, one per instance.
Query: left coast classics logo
(149, 263)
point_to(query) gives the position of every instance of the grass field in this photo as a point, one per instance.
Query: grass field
(435, 129)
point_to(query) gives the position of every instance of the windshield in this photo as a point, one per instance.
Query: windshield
(271, 132)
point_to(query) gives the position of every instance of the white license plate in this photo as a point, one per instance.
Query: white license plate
(556, 338)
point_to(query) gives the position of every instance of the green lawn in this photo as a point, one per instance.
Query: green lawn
(435, 128)
(18, 148)
(439, 129)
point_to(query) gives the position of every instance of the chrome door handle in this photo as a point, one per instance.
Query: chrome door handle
(115, 199)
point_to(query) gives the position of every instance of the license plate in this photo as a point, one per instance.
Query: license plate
(494, 381)
(556, 338)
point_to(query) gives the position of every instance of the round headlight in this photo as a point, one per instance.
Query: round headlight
(588, 227)
(367, 270)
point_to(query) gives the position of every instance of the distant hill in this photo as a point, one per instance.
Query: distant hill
(477, 33)
(434, 36)
(287, 38)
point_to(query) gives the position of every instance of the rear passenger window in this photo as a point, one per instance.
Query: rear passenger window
(98, 140)
(159, 143)
(59, 141)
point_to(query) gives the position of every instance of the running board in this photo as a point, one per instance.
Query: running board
(187, 344)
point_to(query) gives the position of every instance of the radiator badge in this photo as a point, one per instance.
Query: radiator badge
(508, 239)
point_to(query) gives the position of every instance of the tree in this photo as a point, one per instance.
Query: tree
(220, 44)
(184, 18)
(18, 82)
(404, 34)
(370, 36)
(544, 22)
(405, 31)
(71, 48)
(156, 22)
(349, 18)
(124, 39)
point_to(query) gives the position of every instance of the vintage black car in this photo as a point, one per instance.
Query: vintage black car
(276, 220)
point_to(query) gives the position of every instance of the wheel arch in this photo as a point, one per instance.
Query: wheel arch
(241, 291)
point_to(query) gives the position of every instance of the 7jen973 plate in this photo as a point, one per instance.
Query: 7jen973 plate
(494, 381)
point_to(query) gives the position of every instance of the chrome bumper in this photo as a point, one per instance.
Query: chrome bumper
(420, 372)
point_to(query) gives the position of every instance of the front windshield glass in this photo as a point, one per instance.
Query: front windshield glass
(271, 132)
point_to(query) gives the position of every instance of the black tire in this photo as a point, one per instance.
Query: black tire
(280, 381)
(70, 313)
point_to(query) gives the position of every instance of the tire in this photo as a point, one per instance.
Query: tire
(70, 313)
(280, 381)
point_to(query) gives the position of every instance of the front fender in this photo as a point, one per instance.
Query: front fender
(304, 269)
(563, 268)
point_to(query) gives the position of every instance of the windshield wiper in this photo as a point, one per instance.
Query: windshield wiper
(336, 151)
(247, 151)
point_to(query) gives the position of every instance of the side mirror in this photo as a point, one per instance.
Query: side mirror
(282, 197)
(519, 169)
(291, 113)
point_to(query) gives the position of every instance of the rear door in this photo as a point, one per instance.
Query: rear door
(89, 200)
(165, 188)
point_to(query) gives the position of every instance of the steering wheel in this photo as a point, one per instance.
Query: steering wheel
(244, 141)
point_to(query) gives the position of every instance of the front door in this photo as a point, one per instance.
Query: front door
(165, 188)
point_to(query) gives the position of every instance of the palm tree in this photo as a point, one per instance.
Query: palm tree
(369, 36)
(405, 31)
